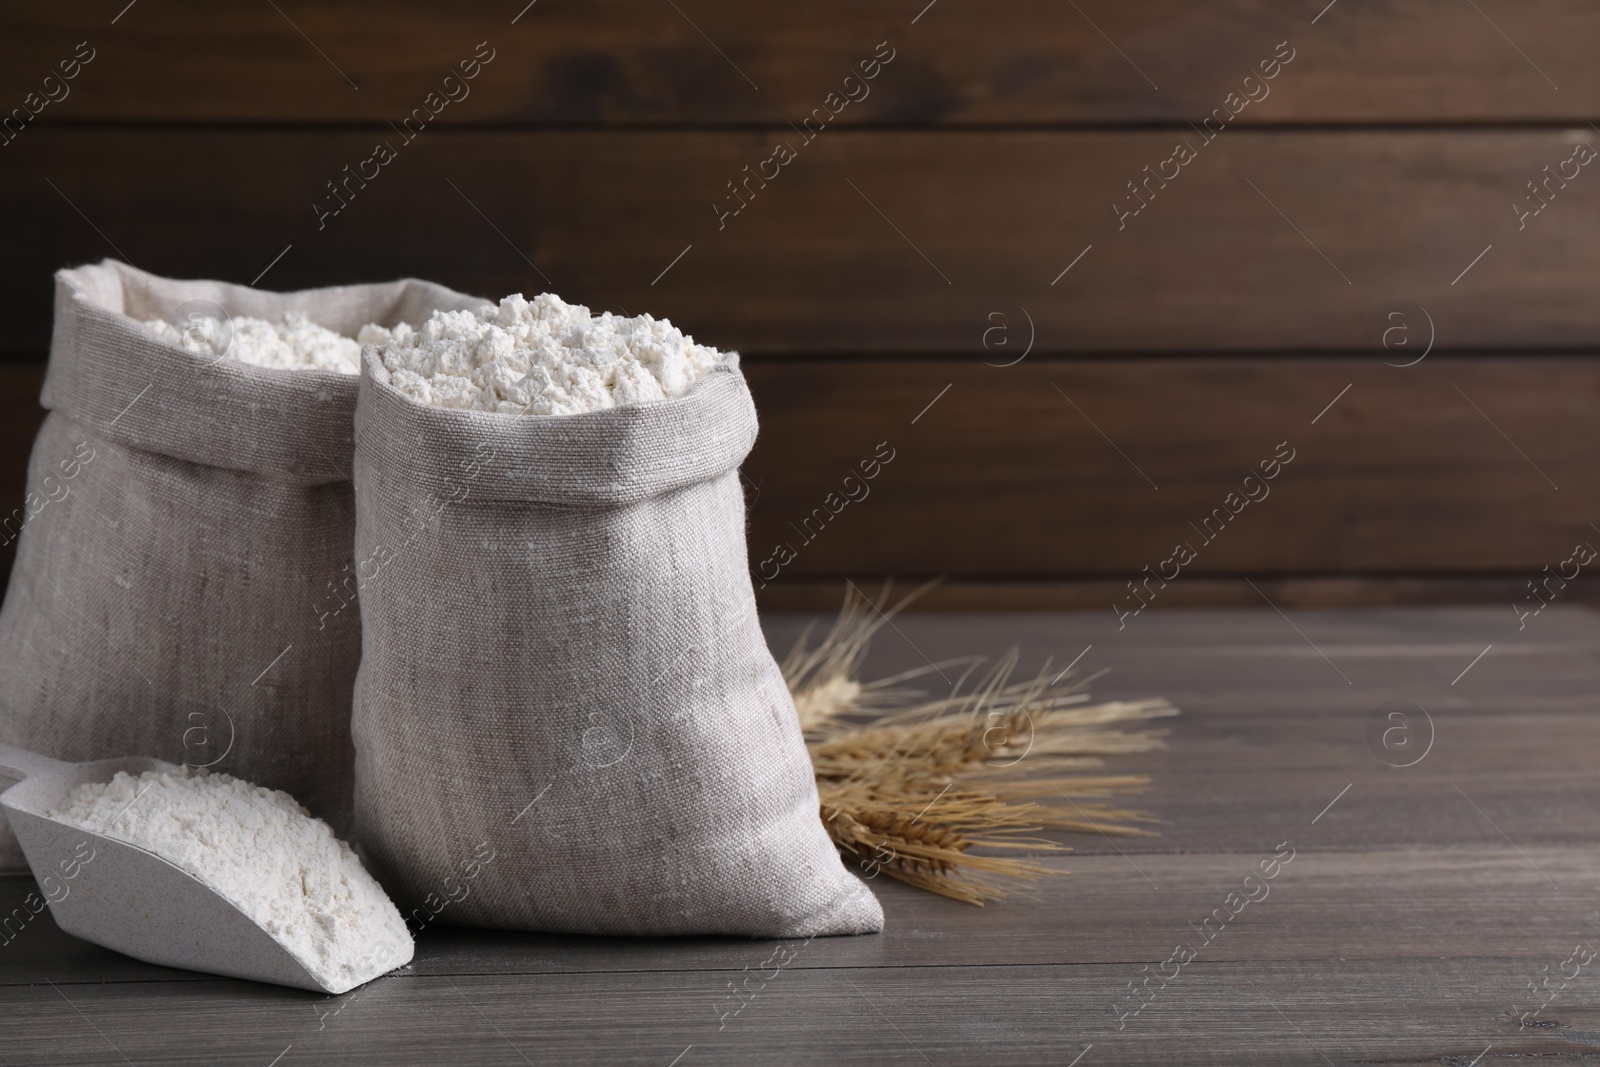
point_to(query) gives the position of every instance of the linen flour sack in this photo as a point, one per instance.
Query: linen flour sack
(182, 581)
(562, 670)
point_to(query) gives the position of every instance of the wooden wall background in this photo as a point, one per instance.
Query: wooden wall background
(886, 284)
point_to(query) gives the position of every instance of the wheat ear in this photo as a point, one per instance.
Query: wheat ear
(909, 787)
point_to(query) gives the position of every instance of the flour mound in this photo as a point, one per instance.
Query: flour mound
(296, 343)
(542, 357)
(264, 854)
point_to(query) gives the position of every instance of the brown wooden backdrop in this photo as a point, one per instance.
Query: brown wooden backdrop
(951, 268)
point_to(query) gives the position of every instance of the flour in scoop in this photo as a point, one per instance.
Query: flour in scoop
(261, 851)
(296, 343)
(542, 357)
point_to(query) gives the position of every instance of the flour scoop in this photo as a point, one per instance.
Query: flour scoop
(133, 901)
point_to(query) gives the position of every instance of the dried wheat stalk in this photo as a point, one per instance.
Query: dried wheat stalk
(909, 787)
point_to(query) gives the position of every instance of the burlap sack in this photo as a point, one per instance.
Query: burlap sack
(182, 586)
(562, 671)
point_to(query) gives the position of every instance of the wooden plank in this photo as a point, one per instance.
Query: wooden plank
(1398, 933)
(1248, 666)
(1004, 478)
(1091, 468)
(906, 242)
(1271, 1013)
(1273, 731)
(1101, 912)
(1405, 634)
(1048, 593)
(622, 61)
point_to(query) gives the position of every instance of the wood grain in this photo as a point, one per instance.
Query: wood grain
(1405, 929)
(1244, 665)
(1049, 593)
(906, 242)
(1271, 1013)
(1284, 702)
(1097, 467)
(625, 61)
(1081, 917)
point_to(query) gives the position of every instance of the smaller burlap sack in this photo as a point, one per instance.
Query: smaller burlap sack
(182, 586)
(566, 716)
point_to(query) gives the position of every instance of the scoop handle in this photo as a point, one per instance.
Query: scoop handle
(19, 763)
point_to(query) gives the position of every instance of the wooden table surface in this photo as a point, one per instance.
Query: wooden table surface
(1421, 905)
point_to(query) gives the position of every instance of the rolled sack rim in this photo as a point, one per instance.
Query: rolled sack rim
(111, 374)
(613, 456)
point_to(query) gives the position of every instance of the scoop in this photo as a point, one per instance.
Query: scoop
(126, 898)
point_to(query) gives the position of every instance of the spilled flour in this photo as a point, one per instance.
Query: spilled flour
(542, 357)
(264, 854)
(296, 343)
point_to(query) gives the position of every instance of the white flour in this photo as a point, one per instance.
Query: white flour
(266, 855)
(295, 343)
(542, 357)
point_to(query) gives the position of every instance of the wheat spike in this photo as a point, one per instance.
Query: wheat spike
(823, 680)
(910, 787)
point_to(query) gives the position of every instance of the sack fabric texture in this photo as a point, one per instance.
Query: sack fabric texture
(183, 586)
(566, 716)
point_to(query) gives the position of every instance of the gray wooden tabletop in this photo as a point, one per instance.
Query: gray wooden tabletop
(1442, 912)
